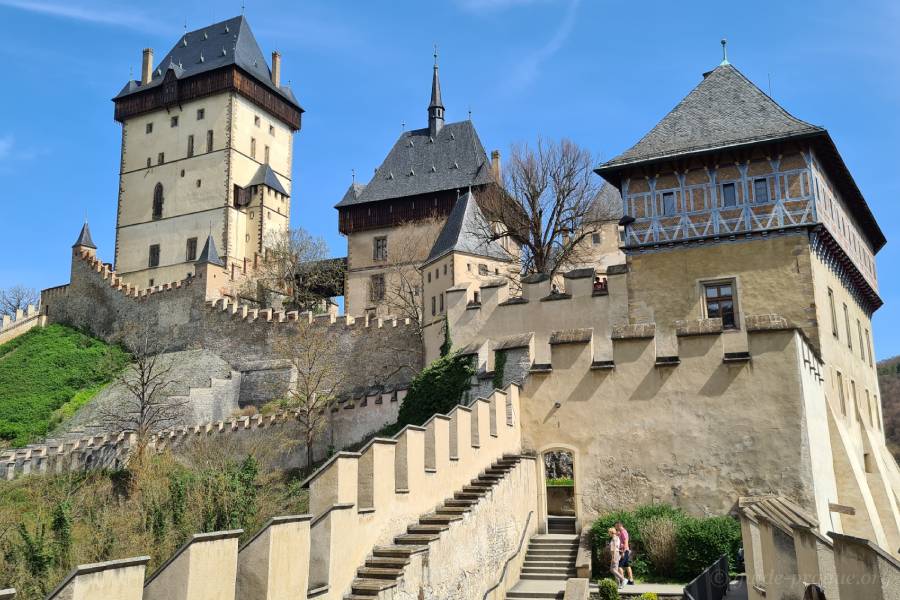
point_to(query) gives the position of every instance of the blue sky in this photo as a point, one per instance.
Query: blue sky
(600, 73)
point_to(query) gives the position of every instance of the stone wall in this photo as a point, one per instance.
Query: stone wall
(12, 326)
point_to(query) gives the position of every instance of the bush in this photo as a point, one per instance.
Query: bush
(609, 590)
(436, 389)
(700, 542)
(561, 482)
(658, 535)
(648, 596)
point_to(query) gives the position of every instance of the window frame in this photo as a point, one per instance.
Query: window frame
(159, 201)
(173, 121)
(733, 298)
(209, 140)
(379, 248)
(148, 128)
(190, 250)
(847, 327)
(201, 114)
(765, 186)
(668, 204)
(733, 187)
(153, 256)
(376, 287)
(841, 394)
(190, 145)
(834, 325)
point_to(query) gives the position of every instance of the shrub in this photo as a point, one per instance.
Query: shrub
(648, 596)
(561, 481)
(609, 590)
(658, 535)
(436, 389)
(700, 542)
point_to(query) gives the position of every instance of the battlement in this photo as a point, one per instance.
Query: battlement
(12, 326)
(358, 500)
(109, 275)
(243, 312)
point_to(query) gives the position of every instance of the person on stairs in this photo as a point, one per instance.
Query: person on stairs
(615, 555)
(625, 561)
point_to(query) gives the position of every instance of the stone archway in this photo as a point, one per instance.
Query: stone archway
(560, 499)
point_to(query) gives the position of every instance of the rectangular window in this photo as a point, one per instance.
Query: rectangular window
(148, 162)
(482, 269)
(668, 203)
(760, 191)
(437, 273)
(209, 140)
(154, 256)
(729, 195)
(201, 113)
(149, 128)
(596, 239)
(271, 130)
(834, 327)
(174, 121)
(862, 347)
(840, 386)
(870, 409)
(376, 288)
(191, 250)
(190, 151)
(256, 120)
(445, 269)
(433, 306)
(869, 346)
(441, 296)
(266, 155)
(429, 276)
(854, 398)
(719, 298)
(847, 327)
(161, 158)
(253, 148)
(379, 250)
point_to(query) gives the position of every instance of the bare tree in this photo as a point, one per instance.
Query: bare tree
(318, 371)
(17, 297)
(297, 267)
(549, 207)
(148, 407)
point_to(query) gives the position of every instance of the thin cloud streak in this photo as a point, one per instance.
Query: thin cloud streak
(528, 69)
(130, 19)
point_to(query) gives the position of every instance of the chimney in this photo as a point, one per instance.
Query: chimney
(147, 66)
(495, 165)
(276, 68)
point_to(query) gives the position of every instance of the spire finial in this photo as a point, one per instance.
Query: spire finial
(242, 7)
(353, 175)
(435, 56)
(724, 43)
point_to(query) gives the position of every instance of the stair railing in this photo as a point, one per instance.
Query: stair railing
(511, 557)
(711, 584)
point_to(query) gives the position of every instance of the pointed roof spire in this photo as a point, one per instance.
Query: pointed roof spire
(436, 107)
(84, 238)
(724, 62)
(210, 254)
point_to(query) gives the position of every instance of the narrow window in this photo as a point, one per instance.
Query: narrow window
(199, 182)
(468, 266)
(191, 249)
(271, 130)
(840, 385)
(190, 151)
(437, 273)
(482, 269)
(160, 158)
(174, 121)
(253, 148)
(158, 201)
(668, 203)
(266, 153)
(760, 191)
(862, 347)
(729, 195)
(870, 409)
(148, 162)
(719, 299)
(871, 350)
(433, 306)
(209, 140)
(379, 250)
(429, 276)
(596, 239)
(201, 113)
(154, 256)
(834, 327)
(150, 284)
(847, 327)
(256, 120)
(854, 398)
(445, 269)
(149, 128)
(376, 284)
(441, 296)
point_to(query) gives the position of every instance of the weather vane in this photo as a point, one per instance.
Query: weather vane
(724, 43)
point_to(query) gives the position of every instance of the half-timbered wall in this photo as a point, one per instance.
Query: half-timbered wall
(690, 203)
(832, 211)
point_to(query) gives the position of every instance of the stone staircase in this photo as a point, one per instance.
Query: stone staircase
(561, 524)
(549, 562)
(385, 566)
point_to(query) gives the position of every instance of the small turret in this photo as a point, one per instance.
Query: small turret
(84, 243)
(210, 254)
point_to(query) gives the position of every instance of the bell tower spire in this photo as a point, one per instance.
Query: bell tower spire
(436, 107)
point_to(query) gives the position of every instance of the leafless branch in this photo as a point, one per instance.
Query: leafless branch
(17, 297)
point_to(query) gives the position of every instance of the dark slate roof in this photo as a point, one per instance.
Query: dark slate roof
(210, 254)
(266, 176)
(418, 164)
(607, 204)
(84, 238)
(463, 232)
(223, 44)
(352, 194)
(725, 109)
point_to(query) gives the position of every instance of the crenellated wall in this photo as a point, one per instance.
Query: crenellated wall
(357, 500)
(12, 326)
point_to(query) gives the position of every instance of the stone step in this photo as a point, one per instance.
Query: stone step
(370, 587)
(415, 539)
(542, 551)
(379, 573)
(430, 529)
(544, 576)
(563, 570)
(440, 519)
(467, 496)
(394, 551)
(546, 562)
(484, 484)
(553, 544)
(475, 489)
(467, 502)
(389, 562)
(452, 510)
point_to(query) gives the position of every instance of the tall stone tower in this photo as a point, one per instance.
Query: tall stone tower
(207, 139)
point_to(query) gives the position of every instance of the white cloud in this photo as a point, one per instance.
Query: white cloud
(100, 15)
(528, 68)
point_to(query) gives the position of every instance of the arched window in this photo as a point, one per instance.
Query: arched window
(157, 201)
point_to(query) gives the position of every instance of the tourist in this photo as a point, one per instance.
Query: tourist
(625, 561)
(615, 555)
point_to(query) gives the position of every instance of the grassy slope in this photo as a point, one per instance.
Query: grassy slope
(889, 382)
(47, 370)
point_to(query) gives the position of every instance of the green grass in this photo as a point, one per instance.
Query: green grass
(46, 375)
(561, 482)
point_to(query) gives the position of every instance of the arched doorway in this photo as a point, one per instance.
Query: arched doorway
(559, 478)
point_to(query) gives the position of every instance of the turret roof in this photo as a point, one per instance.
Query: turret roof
(266, 176)
(210, 254)
(84, 238)
(465, 231)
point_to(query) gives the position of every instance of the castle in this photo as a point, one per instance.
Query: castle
(721, 329)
